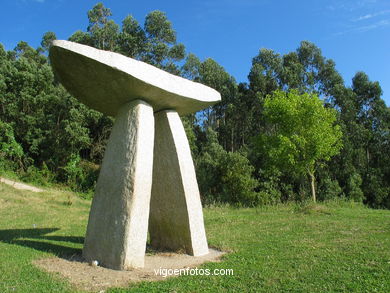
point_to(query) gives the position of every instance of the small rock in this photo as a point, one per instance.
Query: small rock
(94, 263)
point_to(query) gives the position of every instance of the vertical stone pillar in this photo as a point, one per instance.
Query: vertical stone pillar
(176, 217)
(118, 221)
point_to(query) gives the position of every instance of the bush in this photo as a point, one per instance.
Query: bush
(11, 152)
(269, 186)
(225, 176)
(80, 176)
(354, 191)
(329, 189)
(41, 176)
(377, 193)
(238, 185)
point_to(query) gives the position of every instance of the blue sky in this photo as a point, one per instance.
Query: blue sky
(354, 33)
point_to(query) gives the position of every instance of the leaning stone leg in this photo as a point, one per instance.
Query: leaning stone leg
(118, 221)
(176, 217)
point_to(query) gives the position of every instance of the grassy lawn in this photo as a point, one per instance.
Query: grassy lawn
(337, 247)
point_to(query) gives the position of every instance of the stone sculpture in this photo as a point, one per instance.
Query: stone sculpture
(147, 164)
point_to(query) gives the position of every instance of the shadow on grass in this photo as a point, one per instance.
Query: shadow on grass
(37, 239)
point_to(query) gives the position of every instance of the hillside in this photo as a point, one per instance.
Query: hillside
(337, 246)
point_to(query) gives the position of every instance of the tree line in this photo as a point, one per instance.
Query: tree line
(292, 129)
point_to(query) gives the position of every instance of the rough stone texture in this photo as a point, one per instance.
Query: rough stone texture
(105, 81)
(176, 217)
(132, 90)
(118, 221)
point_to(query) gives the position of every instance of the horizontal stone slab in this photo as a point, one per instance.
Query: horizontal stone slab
(106, 80)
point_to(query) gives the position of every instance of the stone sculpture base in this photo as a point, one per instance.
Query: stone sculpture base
(176, 218)
(118, 221)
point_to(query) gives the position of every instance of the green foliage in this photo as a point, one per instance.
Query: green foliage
(269, 186)
(302, 132)
(155, 43)
(62, 141)
(103, 31)
(49, 126)
(329, 189)
(53, 129)
(208, 168)
(162, 49)
(11, 152)
(72, 170)
(237, 182)
(305, 70)
(225, 176)
(81, 37)
(80, 175)
(354, 190)
(365, 121)
(47, 40)
(376, 192)
(190, 133)
(132, 39)
(40, 176)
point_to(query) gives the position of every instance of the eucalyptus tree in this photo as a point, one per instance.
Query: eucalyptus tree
(162, 49)
(103, 31)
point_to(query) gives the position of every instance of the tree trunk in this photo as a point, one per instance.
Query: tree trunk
(313, 188)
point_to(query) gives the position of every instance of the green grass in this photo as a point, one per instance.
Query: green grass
(337, 247)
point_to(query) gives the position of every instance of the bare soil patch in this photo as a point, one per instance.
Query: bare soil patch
(20, 186)
(88, 277)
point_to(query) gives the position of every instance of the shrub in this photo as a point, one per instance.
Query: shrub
(80, 175)
(238, 185)
(11, 152)
(329, 189)
(353, 187)
(225, 176)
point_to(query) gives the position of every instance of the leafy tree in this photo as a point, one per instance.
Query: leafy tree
(47, 123)
(103, 31)
(82, 38)
(222, 116)
(162, 49)
(265, 74)
(132, 39)
(60, 136)
(305, 70)
(302, 133)
(155, 43)
(47, 40)
(365, 123)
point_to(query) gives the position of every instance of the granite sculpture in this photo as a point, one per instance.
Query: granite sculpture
(147, 178)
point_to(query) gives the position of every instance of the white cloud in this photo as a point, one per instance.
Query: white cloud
(365, 28)
(371, 15)
(378, 24)
(351, 6)
(39, 1)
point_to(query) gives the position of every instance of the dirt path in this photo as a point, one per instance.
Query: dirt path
(98, 279)
(19, 185)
